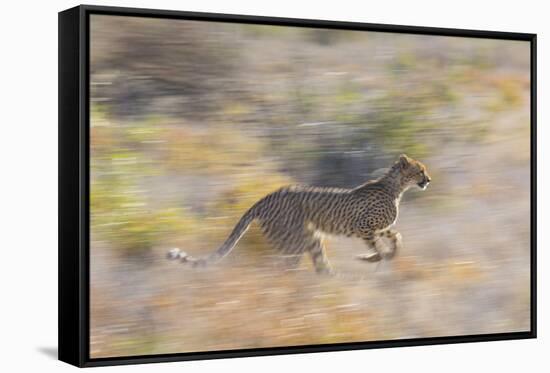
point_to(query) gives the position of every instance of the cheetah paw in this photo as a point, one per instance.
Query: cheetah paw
(371, 257)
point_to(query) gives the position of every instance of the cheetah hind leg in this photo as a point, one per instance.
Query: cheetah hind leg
(291, 262)
(319, 258)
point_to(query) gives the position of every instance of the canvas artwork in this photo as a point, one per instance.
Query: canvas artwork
(256, 186)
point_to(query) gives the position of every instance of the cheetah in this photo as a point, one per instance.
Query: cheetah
(294, 218)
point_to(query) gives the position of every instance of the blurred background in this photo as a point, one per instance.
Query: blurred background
(192, 122)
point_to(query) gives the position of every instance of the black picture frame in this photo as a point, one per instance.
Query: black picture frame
(74, 277)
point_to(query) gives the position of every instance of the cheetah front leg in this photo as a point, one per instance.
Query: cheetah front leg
(396, 243)
(374, 242)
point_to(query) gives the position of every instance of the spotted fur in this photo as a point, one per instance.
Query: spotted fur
(294, 218)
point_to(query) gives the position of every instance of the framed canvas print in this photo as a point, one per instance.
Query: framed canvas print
(238, 186)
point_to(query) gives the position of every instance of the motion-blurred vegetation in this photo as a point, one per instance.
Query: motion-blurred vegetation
(193, 122)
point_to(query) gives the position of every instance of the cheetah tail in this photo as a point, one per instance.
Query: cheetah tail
(239, 230)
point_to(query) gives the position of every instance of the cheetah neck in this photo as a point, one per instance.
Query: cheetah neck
(392, 183)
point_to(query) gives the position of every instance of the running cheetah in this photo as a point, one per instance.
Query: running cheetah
(294, 218)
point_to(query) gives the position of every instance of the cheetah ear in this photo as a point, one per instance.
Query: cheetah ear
(403, 161)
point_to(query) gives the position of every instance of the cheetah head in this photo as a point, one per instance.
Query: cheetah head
(413, 172)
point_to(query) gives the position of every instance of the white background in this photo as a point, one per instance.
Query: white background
(28, 184)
